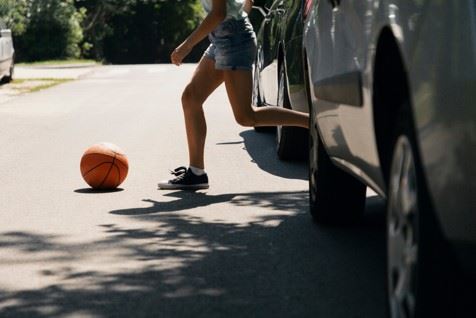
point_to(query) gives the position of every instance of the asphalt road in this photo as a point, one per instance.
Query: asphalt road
(244, 248)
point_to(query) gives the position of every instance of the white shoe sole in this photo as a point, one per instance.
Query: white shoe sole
(171, 186)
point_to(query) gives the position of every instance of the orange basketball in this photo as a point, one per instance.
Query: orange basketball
(104, 166)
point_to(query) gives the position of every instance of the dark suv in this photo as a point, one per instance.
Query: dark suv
(278, 77)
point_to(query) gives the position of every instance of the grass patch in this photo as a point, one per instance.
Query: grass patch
(58, 62)
(48, 85)
(18, 81)
(42, 79)
(36, 84)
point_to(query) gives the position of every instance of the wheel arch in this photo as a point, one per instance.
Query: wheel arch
(390, 92)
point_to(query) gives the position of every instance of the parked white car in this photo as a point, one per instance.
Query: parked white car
(7, 54)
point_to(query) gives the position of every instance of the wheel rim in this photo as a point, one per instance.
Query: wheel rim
(402, 231)
(257, 100)
(279, 129)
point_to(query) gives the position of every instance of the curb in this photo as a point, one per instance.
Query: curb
(22, 72)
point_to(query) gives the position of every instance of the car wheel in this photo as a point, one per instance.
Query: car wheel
(292, 142)
(335, 197)
(9, 77)
(402, 231)
(418, 259)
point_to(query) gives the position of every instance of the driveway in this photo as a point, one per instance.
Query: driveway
(246, 247)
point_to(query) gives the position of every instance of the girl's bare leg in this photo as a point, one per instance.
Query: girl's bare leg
(239, 88)
(204, 81)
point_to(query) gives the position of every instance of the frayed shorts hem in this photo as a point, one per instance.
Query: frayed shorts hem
(227, 67)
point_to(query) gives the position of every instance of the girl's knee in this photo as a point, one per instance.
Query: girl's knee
(187, 95)
(190, 99)
(245, 120)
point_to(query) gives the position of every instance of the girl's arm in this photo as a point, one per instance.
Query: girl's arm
(211, 21)
(248, 6)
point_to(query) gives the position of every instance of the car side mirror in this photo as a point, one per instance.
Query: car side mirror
(6, 33)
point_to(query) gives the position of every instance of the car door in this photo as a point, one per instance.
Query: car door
(342, 89)
(3, 47)
(269, 49)
(292, 38)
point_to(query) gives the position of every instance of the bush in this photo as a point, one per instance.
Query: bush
(13, 13)
(149, 30)
(117, 31)
(53, 31)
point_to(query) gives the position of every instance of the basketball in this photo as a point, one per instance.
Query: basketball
(104, 166)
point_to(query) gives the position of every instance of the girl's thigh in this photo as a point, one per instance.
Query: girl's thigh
(239, 84)
(204, 80)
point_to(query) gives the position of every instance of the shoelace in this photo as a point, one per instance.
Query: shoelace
(179, 172)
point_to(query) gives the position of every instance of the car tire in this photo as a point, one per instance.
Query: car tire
(292, 142)
(9, 78)
(418, 259)
(335, 197)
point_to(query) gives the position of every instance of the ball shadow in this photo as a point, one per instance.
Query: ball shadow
(97, 191)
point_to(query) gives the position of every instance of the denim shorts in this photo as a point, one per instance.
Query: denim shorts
(233, 45)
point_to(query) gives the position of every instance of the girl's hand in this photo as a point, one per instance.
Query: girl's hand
(180, 53)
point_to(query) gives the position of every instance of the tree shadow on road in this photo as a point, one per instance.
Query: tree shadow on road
(277, 264)
(190, 200)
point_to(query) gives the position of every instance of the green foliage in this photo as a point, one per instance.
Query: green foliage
(54, 29)
(44, 29)
(138, 31)
(119, 31)
(150, 29)
(14, 13)
(96, 25)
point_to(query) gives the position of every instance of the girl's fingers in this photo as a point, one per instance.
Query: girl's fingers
(179, 54)
(175, 58)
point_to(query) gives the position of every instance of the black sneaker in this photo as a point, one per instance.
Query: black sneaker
(185, 179)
